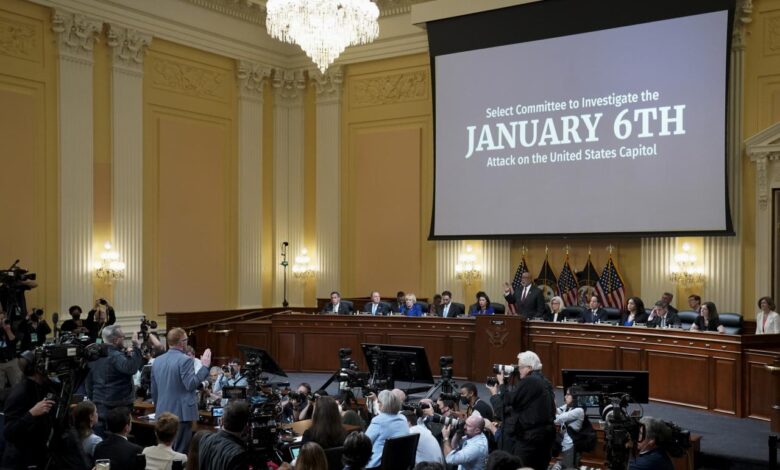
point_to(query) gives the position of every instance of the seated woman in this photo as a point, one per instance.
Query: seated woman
(411, 308)
(568, 417)
(556, 310)
(161, 456)
(482, 307)
(85, 417)
(387, 424)
(708, 319)
(635, 312)
(326, 429)
(767, 320)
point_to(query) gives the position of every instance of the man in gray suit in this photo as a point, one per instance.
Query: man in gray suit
(174, 385)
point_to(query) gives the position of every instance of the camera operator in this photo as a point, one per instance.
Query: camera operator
(14, 282)
(468, 448)
(300, 410)
(75, 325)
(110, 379)
(528, 413)
(470, 398)
(103, 310)
(654, 435)
(10, 374)
(231, 375)
(225, 450)
(34, 330)
(174, 383)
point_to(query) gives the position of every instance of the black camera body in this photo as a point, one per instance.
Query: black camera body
(450, 396)
(71, 353)
(417, 407)
(15, 274)
(456, 424)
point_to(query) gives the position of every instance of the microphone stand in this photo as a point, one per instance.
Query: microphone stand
(285, 264)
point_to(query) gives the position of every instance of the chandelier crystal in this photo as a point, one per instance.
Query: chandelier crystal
(323, 28)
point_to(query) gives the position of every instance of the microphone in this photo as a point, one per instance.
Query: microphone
(14, 265)
(55, 317)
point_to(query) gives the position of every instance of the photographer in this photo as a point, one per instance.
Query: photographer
(654, 435)
(14, 282)
(470, 399)
(10, 374)
(297, 409)
(98, 318)
(34, 330)
(110, 379)
(231, 375)
(75, 325)
(469, 447)
(528, 413)
(224, 449)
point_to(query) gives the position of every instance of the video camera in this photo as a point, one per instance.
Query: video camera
(68, 355)
(349, 375)
(15, 274)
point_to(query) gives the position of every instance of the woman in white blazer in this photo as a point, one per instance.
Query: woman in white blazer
(767, 320)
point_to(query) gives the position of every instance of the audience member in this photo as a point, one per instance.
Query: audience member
(594, 313)
(109, 382)
(635, 312)
(224, 449)
(500, 460)
(469, 448)
(708, 319)
(556, 310)
(193, 456)
(75, 325)
(103, 313)
(428, 449)
(448, 308)
(357, 451)
(652, 438)
(667, 298)
(336, 305)
(376, 306)
(568, 417)
(469, 397)
(529, 301)
(326, 427)
(10, 374)
(161, 456)
(767, 320)
(215, 379)
(124, 455)
(387, 424)
(482, 307)
(311, 457)
(411, 308)
(694, 302)
(85, 417)
(34, 330)
(174, 383)
(661, 317)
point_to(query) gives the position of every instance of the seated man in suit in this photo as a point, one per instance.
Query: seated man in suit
(400, 301)
(448, 308)
(336, 305)
(594, 313)
(667, 297)
(124, 455)
(376, 306)
(660, 317)
(694, 302)
(529, 302)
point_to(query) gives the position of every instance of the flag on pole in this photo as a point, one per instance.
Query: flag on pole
(610, 287)
(567, 284)
(521, 268)
(587, 280)
(547, 281)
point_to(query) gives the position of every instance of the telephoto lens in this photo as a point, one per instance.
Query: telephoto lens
(502, 368)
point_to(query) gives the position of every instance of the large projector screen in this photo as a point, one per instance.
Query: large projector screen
(580, 118)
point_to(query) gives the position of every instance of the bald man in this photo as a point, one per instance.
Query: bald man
(469, 452)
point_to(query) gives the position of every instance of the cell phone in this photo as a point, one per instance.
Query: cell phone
(294, 451)
(217, 411)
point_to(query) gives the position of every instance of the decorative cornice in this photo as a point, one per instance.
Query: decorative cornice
(187, 79)
(75, 34)
(288, 84)
(18, 39)
(328, 85)
(389, 89)
(128, 46)
(251, 78)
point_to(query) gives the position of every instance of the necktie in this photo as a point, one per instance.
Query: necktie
(525, 292)
(373, 310)
(446, 310)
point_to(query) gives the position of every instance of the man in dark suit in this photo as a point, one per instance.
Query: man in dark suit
(668, 297)
(336, 305)
(225, 449)
(124, 455)
(376, 306)
(594, 313)
(174, 383)
(529, 301)
(400, 301)
(660, 317)
(448, 308)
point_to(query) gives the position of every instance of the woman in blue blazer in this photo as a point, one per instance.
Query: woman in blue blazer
(482, 307)
(411, 308)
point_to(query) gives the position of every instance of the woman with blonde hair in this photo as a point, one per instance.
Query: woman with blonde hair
(410, 307)
(556, 310)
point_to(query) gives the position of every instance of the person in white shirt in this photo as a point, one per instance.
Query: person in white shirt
(428, 449)
(767, 320)
(569, 416)
(161, 456)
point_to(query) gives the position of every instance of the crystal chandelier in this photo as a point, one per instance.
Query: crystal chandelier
(323, 28)
(685, 271)
(467, 268)
(109, 268)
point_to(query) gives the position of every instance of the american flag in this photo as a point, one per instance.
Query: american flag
(521, 268)
(610, 287)
(567, 284)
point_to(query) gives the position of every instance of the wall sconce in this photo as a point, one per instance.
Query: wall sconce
(685, 272)
(302, 269)
(109, 268)
(467, 268)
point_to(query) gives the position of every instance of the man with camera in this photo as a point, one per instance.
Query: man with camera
(224, 449)
(110, 379)
(469, 397)
(34, 330)
(654, 435)
(468, 448)
(528, 413)
(231, 375)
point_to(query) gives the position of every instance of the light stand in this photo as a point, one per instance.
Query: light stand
(285, 264)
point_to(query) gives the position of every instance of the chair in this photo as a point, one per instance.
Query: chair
(613, 314)
(732, 323)
(499, 308)
(687, 318)
(424, 307)
(349, 304)
(573, 314)
(334, 458)
(400, 452)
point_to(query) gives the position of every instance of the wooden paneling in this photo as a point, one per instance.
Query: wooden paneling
(575, 356)
(678, 378)
(321, 349)
(630, 359)
(725, 385)
(287, 353)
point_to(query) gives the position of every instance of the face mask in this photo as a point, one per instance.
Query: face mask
(464, 400)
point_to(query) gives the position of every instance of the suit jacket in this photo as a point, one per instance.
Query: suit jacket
(174, 383)
(640, 318)
(382, 308)
(455, 310)
(772, 323)
(532, 306)
(589, 317)
(671, 309)
(124, 454)
(343, 308)
(671, 319)
(548, 316)
(396, 307)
